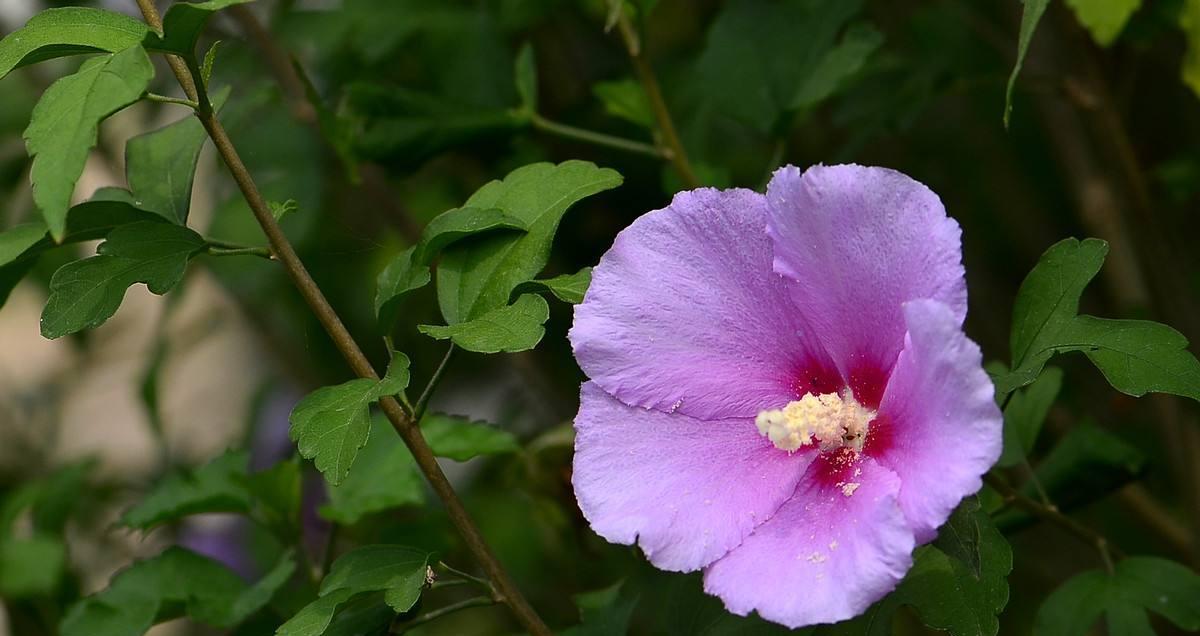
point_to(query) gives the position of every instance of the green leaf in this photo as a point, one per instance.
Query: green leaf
(625, 99)
(1086, 464)
(210, 60)
(69, 31)
(64, 125)
(1104, 19)
(947, 593)
(460, 438)
(217, 486)
(455, 225)
(1025, 414)
(176, 582)
(385, 476)
(160, 165)
(838, 66)
(763, 59)
(276, 494)
(512, 328)
(1030, 17)
(1135, 356)
(280, 210)
(315, 617)
(183, 23)
(17, 240)
(960, 536)
(1137, 585)
(31, 567)
(1189, 21)
(400, 572)
(603, 612)
(402, 275)
(525, 73)
(1048, 299)
(85, 293)
(331, 424)
(477, 277)
(569, 288)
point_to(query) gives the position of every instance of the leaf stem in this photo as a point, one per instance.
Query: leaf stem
(470, 578)
(163, 99)
(478, 601)
(409, 432)
(1053, 515)
(673, 146)
(423, 402)
(599, 139)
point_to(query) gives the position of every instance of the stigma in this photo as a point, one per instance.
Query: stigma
(829, 420)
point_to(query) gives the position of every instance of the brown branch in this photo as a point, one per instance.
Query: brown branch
(670, 137)
(1052, 514)
(358, 362)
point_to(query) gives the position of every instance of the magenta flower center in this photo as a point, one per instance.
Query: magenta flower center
(831, 421)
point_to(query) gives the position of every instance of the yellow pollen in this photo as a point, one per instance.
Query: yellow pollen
(830, 420)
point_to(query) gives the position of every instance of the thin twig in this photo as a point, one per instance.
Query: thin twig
(471, 578)
(418, 409)
(1052, 514)
(478, 601)
(600, 139)
(163, 99)
(261, 252)
(344, 341)
(678, 156)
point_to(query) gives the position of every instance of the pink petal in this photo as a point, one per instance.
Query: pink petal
(938, 428)
(859, 242)
(686, 491)
(685, 314)
(825, 556)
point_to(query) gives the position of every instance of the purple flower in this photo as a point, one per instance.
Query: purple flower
(781, 391)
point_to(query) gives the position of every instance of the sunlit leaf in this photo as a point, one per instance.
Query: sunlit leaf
(331, 424)
(477, 277)
(569, 288)
(86, 293)
(400, 572)
(511, 328)
(64, 125)
(1104, 19)
(64, 31)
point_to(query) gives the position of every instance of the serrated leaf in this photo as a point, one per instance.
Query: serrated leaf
(1104, 19)
(1138, 585)
(402, 275)
(385, 476)
(31, 567)
(86, 293)
(174, 583)
(86, 221)
(525, 76)
(569, 288)
(217, 486)
(512, 328)
(183, 23)
(478, 277)
(960, 536)
(60, 32)
(64, 125)
(160, 165)
(331, 424)
(1030, 16)
(625, 99)
(461, 223)
(1025, 414)
(400, 572)
(460, 438)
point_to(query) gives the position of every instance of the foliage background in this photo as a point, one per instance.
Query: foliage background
(421, 108)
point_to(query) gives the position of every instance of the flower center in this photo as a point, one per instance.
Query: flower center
(833, 421)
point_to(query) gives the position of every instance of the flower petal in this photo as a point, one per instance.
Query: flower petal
(938, 428)
(824, 557)
(859, 242)
(685, 314)
(686, 491)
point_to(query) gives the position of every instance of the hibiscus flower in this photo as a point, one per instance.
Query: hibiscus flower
(781, 392)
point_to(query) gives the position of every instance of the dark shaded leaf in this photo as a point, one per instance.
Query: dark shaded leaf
(1138, 585)
(1025, 414)
(1029, 21)
(460, 438)
(214, 487)
(385, 476)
